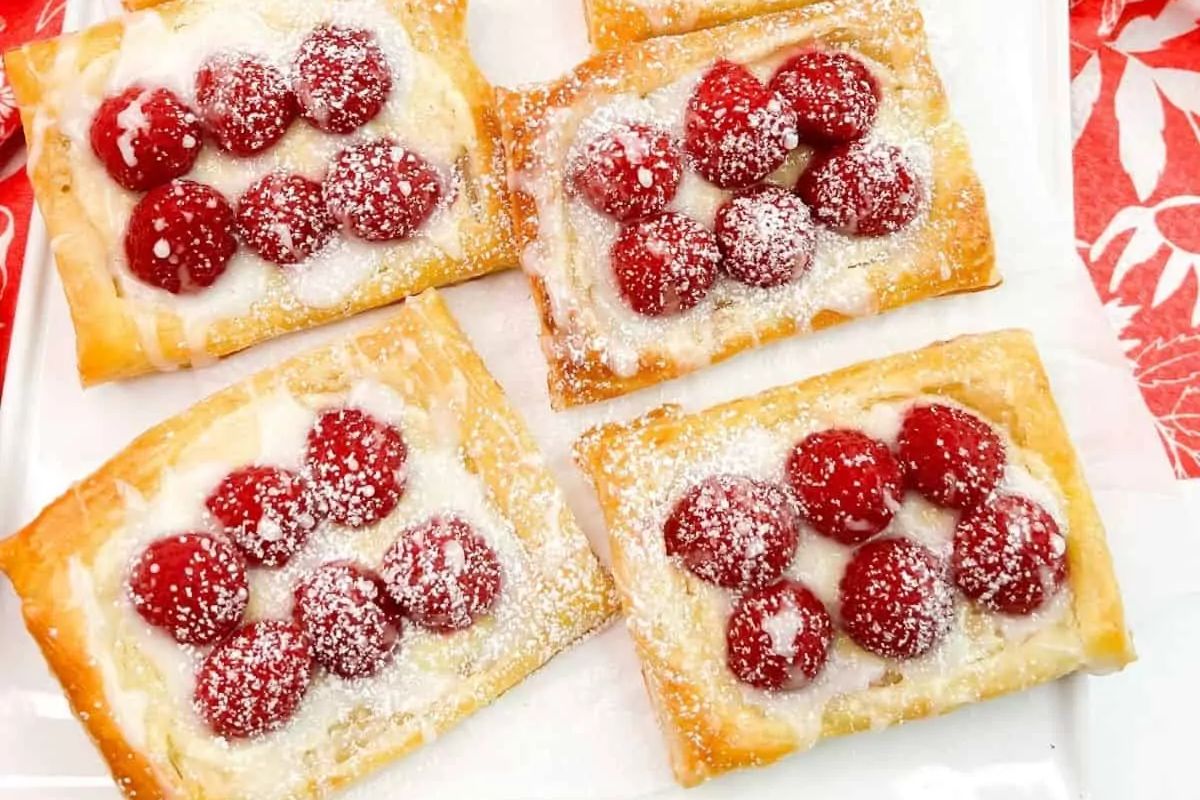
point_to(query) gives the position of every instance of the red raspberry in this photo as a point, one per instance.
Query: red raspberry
(283, 218)
(733, 531)
(342, 78)
(737, 131)
(253, 682)
(356, 464)
(629, 172)
(766, 236)
(244, 103)
(665, 264)
(266, 511)
(895, 600)
(952, 457)
(862, 189)
(834, 95)
(191, 585)
(381, 191)
(778, 637)
(1009, 555)
(145, 137)
(180, 237)
(353, 625)
(848, 484)
(442, 574)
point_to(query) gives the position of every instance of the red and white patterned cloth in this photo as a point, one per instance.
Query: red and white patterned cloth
(1135, 68)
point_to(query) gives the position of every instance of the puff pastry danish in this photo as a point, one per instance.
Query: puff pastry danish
(614, 22)
(214, 173)
(652, 192)
(883, 543)
(310, 573)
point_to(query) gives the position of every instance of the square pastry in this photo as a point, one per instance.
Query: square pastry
(310, 573)
(614, 22)
(683, 199)
(214, 173)
(883, 543)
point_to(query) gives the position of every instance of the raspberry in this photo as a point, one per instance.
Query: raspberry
(245, 104)
(847, 483)
(180, 237)
(283, 218)
(862, 189)
(766, 236)
(736, 131)
(952, 457)
(356, 464)
(778, 637)
(342, 78)
(191, 585)
(253, 682)
(145, 137)
(665, 264)
(834, 95)
(1009, 555)
(895, 601)
(630, 172)
(266, 511)
(442, 574)
(381, 191)
(733, 531)
(353, 625)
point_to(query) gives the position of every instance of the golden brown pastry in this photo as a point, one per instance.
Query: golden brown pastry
(310, 573)
(887, 542)
(348, 155)
(685, 198)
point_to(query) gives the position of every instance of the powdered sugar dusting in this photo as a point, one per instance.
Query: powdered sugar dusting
(663, 621)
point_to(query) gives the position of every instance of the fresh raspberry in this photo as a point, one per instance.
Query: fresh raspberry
(629, 172)
(283, 218)
(342, 78)
(834, 95)
(778, 637)
(862, 189)
(766, 236)
(733, 531)
(145, 137)
(245, 104)
(442, 574)
(381, 191)
(356, 464)
(895, 601)
(952, 457)
(266, 511)
(847, 483)
(736, 131)
(1009, 555)
(191, 585)
(348, 616)
(253, 682)
(665, 264)
(180, 237)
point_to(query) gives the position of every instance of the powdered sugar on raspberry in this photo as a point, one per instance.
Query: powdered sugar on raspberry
(428, 674)
(570, 253)
(664, 618)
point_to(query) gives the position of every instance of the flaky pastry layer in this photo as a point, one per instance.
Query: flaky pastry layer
(421, 356)
(118, 336)
(999, 377)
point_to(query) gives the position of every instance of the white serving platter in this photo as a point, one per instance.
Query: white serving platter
(581, 729)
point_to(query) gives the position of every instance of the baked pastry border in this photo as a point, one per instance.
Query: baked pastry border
(956, 255)
(108, 343)
(421, 354)
(614, 22)
(1000, 377)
